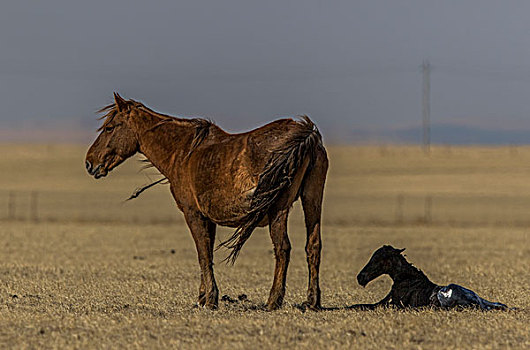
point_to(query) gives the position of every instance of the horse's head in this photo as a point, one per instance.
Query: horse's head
(116, 141)
(381, 262)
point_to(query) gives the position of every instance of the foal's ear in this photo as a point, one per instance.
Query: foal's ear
(121, 104)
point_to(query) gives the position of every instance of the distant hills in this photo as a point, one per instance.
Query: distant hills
(443, 134)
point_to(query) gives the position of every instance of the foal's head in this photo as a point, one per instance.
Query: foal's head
(116, 141)
(382, 262)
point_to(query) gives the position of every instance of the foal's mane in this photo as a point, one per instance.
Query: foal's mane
(201, 125)
(411, 266)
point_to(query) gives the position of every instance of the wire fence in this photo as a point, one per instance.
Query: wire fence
(159, 208)
(49, 206)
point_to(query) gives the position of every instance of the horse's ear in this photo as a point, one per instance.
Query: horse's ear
(401, 250)
(121, 104)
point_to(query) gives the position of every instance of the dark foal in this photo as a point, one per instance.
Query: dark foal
(244, 181)
(411, 288)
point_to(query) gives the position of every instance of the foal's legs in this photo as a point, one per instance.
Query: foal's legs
(312, 194)
(282, 251)
(203, 232)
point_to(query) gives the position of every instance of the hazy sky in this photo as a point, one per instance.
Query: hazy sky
(350, 65)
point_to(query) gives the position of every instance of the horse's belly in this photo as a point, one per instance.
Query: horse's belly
(223, 208)
(224, 186)
(224, 194)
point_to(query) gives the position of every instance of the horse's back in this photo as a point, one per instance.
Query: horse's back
(225, 169)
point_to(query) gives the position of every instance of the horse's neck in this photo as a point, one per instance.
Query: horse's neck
(403, 270)
(164, 143)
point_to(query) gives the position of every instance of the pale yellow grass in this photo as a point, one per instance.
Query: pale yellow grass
(114, 285)
(81, 286)
(464, 186)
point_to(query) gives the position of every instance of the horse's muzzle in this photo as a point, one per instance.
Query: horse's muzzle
(98, 171)
(362, 279)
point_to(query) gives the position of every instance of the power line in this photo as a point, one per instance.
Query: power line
(426, 105)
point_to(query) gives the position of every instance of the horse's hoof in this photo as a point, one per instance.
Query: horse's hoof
(313, 307)
(204, 306)
(210, 306)
(272, 307)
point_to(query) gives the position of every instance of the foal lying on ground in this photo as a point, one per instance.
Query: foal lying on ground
(411, 288)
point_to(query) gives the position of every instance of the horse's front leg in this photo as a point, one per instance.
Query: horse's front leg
(282, 252)
(203, 232)
(383, 302)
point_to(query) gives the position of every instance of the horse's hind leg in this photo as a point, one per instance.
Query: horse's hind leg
(203, 232)
(282, 251)
(312, 195)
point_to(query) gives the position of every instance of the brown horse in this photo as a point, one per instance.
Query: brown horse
(238, 180)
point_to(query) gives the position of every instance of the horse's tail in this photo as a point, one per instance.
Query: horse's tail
(278, 174)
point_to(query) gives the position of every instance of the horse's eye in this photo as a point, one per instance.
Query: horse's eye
(109, 128)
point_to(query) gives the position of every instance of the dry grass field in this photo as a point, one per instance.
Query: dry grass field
(85, 270)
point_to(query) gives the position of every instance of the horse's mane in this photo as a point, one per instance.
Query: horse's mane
(110, 112)
(201, 125)
(411, 268)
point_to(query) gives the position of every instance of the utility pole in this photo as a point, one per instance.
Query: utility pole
(426, 106)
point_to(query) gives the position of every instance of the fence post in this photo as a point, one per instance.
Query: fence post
(11, 205)
(34, 206)
(399, 209)
(427, 214)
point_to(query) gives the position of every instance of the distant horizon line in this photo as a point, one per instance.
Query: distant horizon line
(441, 134)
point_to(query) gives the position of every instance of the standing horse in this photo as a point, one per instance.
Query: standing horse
(244, 181)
